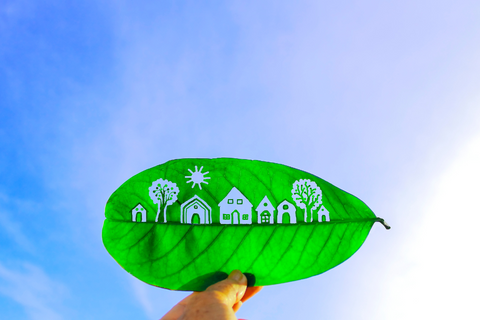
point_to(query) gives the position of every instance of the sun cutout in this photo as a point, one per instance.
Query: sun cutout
(197, 177)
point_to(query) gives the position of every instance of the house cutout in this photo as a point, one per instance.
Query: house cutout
(139, 214)
(323, 214)
(265, 212)
(288, 208)
(235, 208)
(195, 211)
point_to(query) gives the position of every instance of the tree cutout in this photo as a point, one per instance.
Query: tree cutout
(307, 195)
(163, 193)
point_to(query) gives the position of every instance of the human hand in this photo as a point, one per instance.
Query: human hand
(219, 302)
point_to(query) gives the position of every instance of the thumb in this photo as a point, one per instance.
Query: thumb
(233, 288)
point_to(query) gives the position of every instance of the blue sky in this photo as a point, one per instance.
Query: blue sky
(379, 98)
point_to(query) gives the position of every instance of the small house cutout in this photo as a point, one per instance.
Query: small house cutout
(323, 212)
(265, 212)
(195, 211)
(235, 208)
(288, 208)
(139, 214)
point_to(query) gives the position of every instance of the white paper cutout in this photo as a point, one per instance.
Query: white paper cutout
(307, 195)
(323, 212)
(163, 193)
(195, 206)
(139, 211)
(197, 177)
(265, 212)
(235, 208)
(286, 207)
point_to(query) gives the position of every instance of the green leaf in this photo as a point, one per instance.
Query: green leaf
(274, 223)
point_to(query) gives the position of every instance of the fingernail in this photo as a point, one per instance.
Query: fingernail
(236, 275)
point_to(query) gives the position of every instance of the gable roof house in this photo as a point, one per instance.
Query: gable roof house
(235, 208)
(195, 209)
(323, 214)
(139, 214)
(287, 208)
(265, 212)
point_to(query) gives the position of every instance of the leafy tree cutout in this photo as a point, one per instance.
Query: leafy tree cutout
(163, 193)
(307, 195)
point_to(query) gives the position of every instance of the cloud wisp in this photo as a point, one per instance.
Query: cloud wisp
(13, 230)
(32, 288)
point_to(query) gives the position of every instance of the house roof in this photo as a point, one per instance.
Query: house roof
(235, 194)
(280, 205)
(192, 199)
(138, 206)
(261, 206)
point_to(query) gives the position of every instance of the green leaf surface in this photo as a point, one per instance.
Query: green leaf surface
(188, 223)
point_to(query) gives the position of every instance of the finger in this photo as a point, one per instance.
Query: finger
(179, 308)
(250, 292)
(233, 288)
(237, 306)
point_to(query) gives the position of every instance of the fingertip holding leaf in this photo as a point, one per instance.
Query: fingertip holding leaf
(186, 224)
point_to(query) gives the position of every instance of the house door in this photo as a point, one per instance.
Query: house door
(235, 217)
(265, 217)
(195, 218)
(138, 218)
(286, 217)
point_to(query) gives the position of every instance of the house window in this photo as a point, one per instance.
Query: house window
(239, 201)
(244, 216)
(230, 201)
(226, 216)
(285, 206)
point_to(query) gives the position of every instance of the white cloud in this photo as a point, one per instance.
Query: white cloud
(14, 230)
(437, 274)
(29, 286)
(141, 293)
(11, 227)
